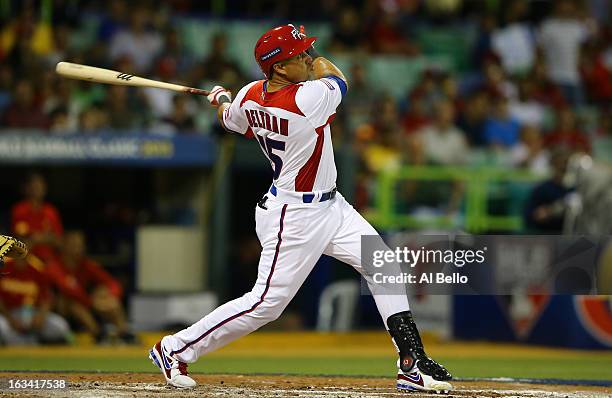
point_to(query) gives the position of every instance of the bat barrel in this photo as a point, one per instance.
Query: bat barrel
(108, 76)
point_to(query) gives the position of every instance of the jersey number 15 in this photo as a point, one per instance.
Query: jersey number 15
(268, 145)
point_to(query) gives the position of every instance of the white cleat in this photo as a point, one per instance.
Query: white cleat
(415, 380)
(173, 370)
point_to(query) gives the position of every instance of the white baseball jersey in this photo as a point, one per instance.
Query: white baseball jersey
(292, 128)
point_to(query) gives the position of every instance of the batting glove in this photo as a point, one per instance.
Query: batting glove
(218, 95)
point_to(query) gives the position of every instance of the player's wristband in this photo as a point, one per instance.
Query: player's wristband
(223, 99)
(314, 54)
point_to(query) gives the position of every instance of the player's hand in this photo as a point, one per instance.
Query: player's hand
(217, 94)
(311, 50)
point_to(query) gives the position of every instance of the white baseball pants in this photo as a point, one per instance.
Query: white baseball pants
(293, 237)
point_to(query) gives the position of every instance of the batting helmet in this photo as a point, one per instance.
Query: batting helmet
(278, 44)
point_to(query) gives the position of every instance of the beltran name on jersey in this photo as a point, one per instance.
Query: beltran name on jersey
(292, 128)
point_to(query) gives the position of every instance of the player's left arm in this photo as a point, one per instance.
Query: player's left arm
(319, 98)
(323, 67)
(220, 98)
(228, 110)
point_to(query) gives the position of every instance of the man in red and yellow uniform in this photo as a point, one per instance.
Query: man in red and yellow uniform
(25, 303)
(86, 290)
(36, 221)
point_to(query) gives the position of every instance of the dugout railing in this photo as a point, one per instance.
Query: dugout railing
(480, 186)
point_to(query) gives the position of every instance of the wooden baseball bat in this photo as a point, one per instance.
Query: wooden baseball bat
(108, 76)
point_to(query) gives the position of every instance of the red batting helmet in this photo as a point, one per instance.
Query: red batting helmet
(278, 44)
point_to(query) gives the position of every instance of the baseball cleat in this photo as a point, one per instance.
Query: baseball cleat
(173, 370)
(417, 380)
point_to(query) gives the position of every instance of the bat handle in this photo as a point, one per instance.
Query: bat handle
(197, 91)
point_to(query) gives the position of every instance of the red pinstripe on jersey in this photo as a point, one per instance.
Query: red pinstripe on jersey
(308, 173)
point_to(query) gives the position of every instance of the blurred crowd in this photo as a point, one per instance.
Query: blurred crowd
(532, 66)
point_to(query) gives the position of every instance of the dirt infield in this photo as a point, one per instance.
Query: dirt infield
(229, 386)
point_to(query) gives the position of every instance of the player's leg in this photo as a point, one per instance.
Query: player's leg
(415, 369)
(55, 330)
(292, 239)
(8, 335)
(346, 247)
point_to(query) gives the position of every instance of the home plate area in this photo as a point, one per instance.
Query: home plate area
(150, 385)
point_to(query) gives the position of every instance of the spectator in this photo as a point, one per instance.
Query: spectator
(348, 31)
(173, 65)
(597, 76)
(6, 82)
(449, 89)
(496, 81)
(60, 122)
(126, 109)
(566, 134)
(545, 91)
(604, 125)
(25, 304)
(61, 45)
(417, 116)
(360, 98)
(444, 143)
(24, 112)
(545, 206)
(24, 39)
(113, 21)
(515, 42)
(379, 141)
(93, 120)
(482, 50)
(180, 121)
(425, 198)
(218, 66)
(413, 151)
(86, 290)
(560, 39)
(526, 109)
(501, 129)
(386, 36)
(175, 60)
(36, 221)
(427, 89)
(474, 117)
(137, 42)
(530, 152)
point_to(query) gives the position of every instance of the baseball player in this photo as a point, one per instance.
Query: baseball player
(301, 217)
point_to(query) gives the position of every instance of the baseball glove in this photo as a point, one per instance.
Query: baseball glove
(12, 247)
